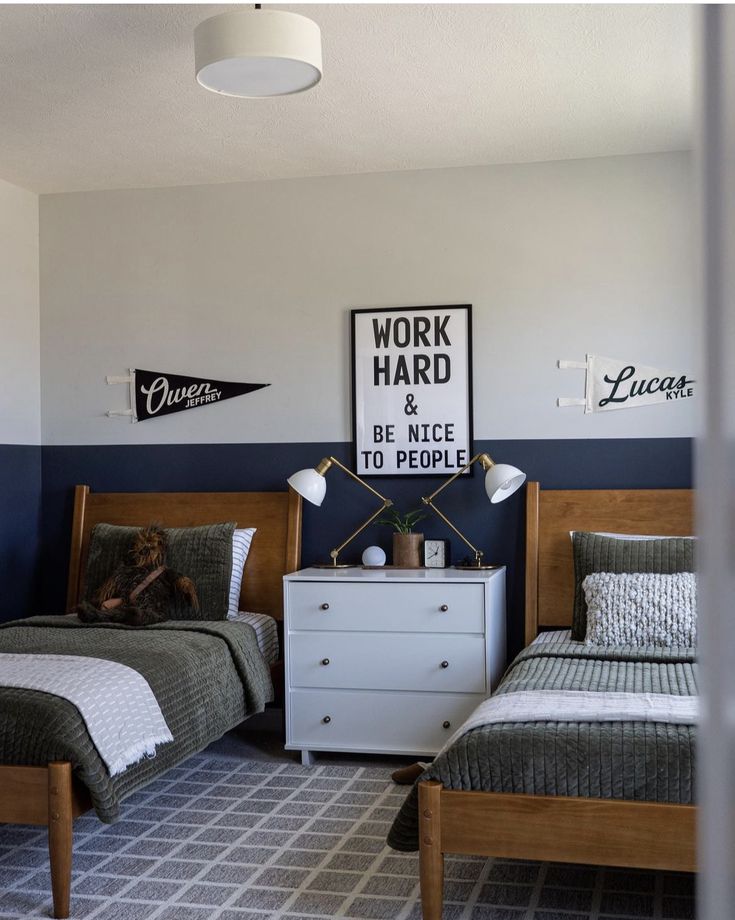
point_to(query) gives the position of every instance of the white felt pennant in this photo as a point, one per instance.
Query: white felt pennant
(614, 384)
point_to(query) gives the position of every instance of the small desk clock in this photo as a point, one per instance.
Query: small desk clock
(436, 554)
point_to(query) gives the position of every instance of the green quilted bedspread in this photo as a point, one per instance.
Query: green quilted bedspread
(645, 761)
(206, 676)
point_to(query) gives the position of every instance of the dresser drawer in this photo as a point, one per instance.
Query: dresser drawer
(387, 661)
(354, 720)
(395, 607)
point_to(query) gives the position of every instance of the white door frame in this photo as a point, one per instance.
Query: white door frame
(716, 464)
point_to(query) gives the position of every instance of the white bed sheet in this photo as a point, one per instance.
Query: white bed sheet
(553, 637)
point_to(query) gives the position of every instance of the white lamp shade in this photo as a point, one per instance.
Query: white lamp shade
(256, 53)
(502, 480)
(310, 485)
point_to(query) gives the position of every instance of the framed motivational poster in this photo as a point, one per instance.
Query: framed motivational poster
(412, 390)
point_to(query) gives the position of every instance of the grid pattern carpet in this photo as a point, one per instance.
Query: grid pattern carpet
(223, 839)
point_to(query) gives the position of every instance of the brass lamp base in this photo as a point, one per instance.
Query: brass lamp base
(474, 566)
(334, 565)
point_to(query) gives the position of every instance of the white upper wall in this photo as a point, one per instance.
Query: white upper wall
(20, 406)
(254, 282)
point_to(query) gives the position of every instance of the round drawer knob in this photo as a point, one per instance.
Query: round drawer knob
(327, 719)
(325, 661)
(446, 724)
(324, 606)
(444, 608)
(445, 664)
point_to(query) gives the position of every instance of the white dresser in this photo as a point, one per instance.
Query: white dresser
(389, 660)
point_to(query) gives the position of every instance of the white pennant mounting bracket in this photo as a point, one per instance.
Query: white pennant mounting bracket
(129, 378)
(564, 401)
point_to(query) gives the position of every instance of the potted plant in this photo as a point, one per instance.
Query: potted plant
(406, 544)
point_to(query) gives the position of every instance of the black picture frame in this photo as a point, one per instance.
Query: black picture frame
(467, 386)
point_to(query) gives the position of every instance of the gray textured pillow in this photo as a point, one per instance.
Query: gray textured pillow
(641, 609)
(203, 553)
(595, 553)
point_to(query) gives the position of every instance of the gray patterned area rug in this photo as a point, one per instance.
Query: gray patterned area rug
(222, 839)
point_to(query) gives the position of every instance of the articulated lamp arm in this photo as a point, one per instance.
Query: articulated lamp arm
(311, 485)
(486, 462)
(324, 465)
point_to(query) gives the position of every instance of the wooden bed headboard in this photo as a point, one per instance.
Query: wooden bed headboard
(275, 551)
(550, 515)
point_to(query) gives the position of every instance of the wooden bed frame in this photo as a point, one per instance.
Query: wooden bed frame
(48, 795)
(603, 832)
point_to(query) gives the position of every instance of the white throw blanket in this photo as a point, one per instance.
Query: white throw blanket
(580, 706)
(121, 713)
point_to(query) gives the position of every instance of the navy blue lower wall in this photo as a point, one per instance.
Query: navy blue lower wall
(20, 528)
(497, 529)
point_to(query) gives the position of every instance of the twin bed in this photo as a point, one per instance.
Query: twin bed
(611, 793)
(616, 793)
(207, 677)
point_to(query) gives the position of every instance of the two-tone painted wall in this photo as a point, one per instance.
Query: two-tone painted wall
(254, 282)
(20, 407)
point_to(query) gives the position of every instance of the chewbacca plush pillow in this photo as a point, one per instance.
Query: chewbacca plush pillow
(203, 553)
(142, 591)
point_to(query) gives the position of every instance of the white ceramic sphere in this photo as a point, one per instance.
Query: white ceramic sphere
(373, 555)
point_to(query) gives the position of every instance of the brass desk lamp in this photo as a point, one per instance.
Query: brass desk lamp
(501, 481)
(311, 485)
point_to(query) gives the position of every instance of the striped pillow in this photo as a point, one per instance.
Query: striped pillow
(241, 541)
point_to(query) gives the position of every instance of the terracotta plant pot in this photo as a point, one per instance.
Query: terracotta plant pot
(407, 550)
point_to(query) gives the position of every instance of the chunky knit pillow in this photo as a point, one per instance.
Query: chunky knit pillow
(641, 608)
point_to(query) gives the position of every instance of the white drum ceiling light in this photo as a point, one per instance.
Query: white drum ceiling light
(255, 53)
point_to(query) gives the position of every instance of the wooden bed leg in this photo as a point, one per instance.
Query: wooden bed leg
(60, 835)
(431, 858)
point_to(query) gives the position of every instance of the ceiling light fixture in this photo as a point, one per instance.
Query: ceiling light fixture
(256, 53)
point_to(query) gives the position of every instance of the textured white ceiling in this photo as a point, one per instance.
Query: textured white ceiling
(104, 96)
